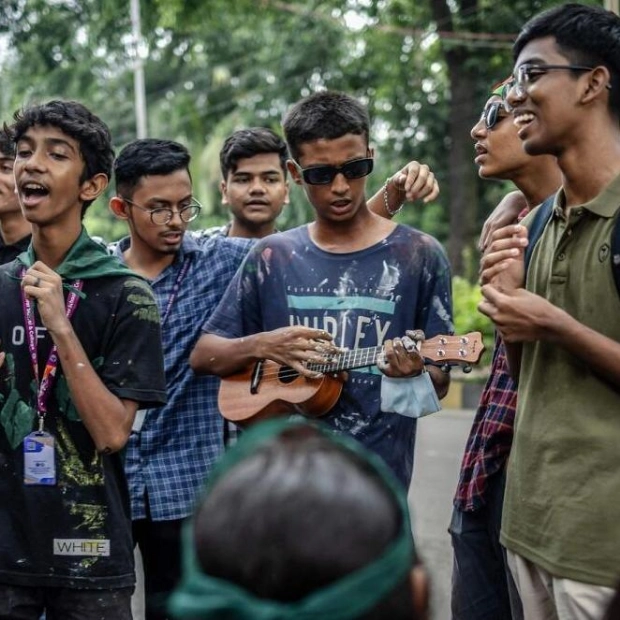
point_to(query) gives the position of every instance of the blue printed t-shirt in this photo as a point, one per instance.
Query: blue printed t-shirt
(362, 299)
(169, 459)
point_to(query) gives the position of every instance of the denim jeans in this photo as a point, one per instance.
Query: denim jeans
(29, 603)
(482, 585)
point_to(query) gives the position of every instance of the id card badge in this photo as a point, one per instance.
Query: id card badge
(39, 459)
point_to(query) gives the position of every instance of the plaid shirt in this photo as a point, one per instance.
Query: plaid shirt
(490, 437)
(168, 460)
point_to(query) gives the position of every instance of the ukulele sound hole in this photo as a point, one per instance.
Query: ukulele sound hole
(287, 375)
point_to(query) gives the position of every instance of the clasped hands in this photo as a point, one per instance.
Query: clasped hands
(518, 314)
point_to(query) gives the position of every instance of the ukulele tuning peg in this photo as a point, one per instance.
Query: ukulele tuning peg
(467, 368)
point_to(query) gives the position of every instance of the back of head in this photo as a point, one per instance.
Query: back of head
(147, 157)
(77, 122)
(296, 516)
(586, 35)
(325, 115)
(246, 143)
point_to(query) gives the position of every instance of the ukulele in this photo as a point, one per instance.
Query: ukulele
(267, 389)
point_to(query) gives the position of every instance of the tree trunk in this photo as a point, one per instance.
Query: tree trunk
(463, 115)
(462, 174)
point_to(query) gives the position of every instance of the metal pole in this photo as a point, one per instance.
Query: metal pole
(138, 71)
(613, 5)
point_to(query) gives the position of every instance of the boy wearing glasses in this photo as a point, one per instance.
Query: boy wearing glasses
(482, 586)
(560, 520)
(172, 447)
(350, 279)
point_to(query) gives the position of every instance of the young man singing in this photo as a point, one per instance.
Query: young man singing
(81, 351)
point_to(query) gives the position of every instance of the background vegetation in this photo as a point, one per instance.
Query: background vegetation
(425, 68)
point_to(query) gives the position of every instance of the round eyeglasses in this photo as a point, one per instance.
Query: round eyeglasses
(160, 216)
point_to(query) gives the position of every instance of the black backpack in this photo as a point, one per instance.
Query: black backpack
(539, 221)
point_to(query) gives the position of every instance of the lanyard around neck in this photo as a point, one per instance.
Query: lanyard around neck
(175, 290)
(44, 387)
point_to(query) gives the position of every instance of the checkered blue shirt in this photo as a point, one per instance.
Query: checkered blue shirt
(170, 458)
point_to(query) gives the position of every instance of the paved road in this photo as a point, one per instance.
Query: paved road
(439, 448)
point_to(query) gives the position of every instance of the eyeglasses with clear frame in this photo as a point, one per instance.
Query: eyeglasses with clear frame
(529, 73)
(160, 216)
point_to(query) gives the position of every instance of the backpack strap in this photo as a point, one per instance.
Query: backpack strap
(539, 221)
(541, 217)
(615, 252)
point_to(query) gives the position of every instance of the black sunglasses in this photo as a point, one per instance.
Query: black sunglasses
(493, 114)
(323, 175)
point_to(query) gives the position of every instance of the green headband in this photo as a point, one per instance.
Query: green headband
(501, 89)
(201, 596)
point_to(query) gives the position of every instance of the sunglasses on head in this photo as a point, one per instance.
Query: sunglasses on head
(323, 175)
(493, 114)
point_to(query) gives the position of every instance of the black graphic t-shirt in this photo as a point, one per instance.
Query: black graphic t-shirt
(76, 533)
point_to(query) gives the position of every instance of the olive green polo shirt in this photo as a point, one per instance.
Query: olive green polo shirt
(562, 503)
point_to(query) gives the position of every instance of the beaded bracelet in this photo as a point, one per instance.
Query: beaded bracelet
(386, 202)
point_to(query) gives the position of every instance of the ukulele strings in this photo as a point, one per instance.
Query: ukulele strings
(286, 372)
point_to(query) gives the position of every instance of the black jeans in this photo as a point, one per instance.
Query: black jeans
(482, 585)
(160, 546)
(29, 603)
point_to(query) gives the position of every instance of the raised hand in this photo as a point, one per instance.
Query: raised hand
(44, 285)
(415, 181)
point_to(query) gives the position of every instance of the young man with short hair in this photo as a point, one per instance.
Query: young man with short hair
(14, 228)
(560, 522)
(71, 382)
(348, 279)
(482, 586)
(173, 447)
(283, 478)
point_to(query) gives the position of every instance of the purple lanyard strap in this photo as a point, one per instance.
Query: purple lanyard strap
(175, 290)
(49, 374)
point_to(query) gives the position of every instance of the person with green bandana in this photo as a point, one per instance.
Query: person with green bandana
(299, 523)
(70, 382)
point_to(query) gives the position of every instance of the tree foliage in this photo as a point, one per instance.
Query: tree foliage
(424, 68)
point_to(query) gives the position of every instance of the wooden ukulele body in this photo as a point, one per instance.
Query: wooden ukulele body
(267, 389)
(280, 391)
